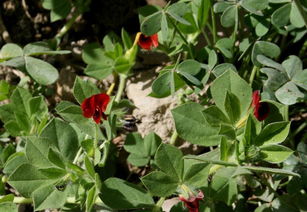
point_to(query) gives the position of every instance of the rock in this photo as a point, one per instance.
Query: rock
(154, 113)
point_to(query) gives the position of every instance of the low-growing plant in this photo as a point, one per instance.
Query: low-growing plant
(237, 71)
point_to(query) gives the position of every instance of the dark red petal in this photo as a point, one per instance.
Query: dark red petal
(256, 98)
(155, 40)
(97, 115)
(101, 101)
(262, 111)
(88, 107)
(145, 42)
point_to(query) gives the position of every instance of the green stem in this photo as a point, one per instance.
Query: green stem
(251, 79)
(158, 205)
(68, 25)
(121, 87)
(23, 200)
(206, 37)
(77, 156)
(182, 37)
(174, 138)
(213, 25)
(234, 34)
(301, 11)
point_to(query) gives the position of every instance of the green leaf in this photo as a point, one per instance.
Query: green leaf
(161, 87)
(293, 65)
(13, 162)
(55, 158)
(7, 112)
(167, 184)
(195, 173)
(73, 113)
(23, 122)
(169, 159)
(222, 68)
(192, 126)
(189, 66)
(225, 45)
(232, 107)
(300, 79)
(90, 199)
(220, 7)
(254, 6)
(10, 50)
(126, 39)
(20, 100)
(63, 137)
(123, 65)
(93, 53)
(229, 16)
(8, 207)
(273, 133)
(212, 60)
(37, 152)
(40, 47)
(38, 107)
(40, 71)
(223, 187)
(265, 48)
(59, 8)
(4, 90)
(138, 159)
(275, 78)
(275, 153)
(233, 83)
(53, 173)
(151, 143)
(26, 179)
(134, 144)
(151, 24)
(127, 195)
(215, 116)
(251, 131)
(280, 17)
(202, 8)
(48, 197)
(164, 27)
(270, 63)
(289, 94)
(295, 16)
(177, 12)
(84, 89)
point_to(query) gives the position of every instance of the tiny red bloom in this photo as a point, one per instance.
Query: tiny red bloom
(147, 42)
(261, 109)
(192, 203)
(95, 106)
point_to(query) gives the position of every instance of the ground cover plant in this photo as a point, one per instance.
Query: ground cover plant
(236, 70)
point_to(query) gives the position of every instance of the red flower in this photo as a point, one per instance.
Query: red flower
(261, 109)
(146, 42)
(95, 106)
(192, 203)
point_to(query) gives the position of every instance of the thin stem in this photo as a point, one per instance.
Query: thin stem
(121, 87)
(77, 156)
(301, 11)
(213, 25)
(158, 205)
(251, 79)
(68, 25)
(110, 90)
(206, 37)
(234, 34)
(174, 138)
(182, 37)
